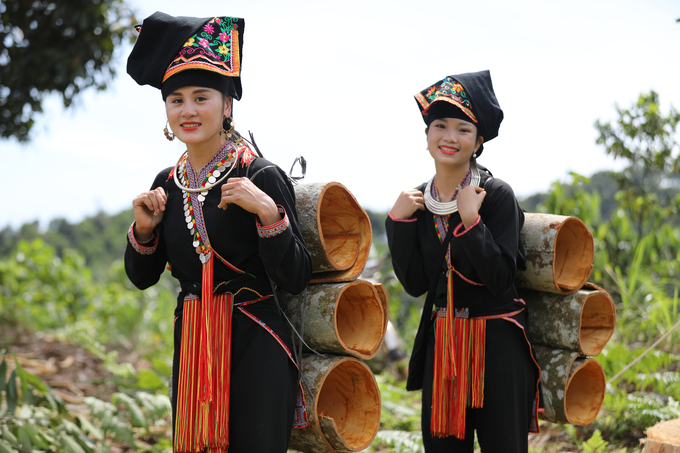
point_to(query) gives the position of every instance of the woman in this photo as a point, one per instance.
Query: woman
(225, 221)
(457, 238)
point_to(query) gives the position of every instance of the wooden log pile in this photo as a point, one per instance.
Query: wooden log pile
(570, 320)
(341, 318)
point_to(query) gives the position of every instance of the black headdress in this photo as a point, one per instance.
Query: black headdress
(174, 52)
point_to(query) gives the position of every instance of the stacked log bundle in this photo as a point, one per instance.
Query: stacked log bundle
(664, 437)
(341, 318)
(570, 320)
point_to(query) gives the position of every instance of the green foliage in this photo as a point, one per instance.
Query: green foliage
(68, 46)
(402, 441)
(645, 138)
(400, 418)
(35, 419)
(574, 200)
(49, 293)
(595, 444)
(101, 239)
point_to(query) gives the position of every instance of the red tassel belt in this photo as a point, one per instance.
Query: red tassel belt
(460, 343)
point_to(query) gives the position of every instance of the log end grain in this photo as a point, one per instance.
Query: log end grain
(350, 396)
(574, 252)
(343, 403)
(335, 228)
(344, 229)
(598, 321)
(663, 437)
(559, 251)
(360, 319)
(584, 391)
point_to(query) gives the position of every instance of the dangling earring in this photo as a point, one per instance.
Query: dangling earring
(167, 133)
(227, 133)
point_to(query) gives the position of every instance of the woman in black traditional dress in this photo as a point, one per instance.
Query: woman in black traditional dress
(224, 220)
(457, 237)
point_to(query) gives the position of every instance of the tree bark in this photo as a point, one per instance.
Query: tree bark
(343, 406)
(336, 229)
(572, 386)
(340, 318)
(559, 253)
(582, 322)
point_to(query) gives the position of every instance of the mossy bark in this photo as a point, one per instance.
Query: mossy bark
(340, 318)
(582, 322)
(559, 251)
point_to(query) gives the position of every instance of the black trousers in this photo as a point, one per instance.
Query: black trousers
(502, 425)
(263, 382)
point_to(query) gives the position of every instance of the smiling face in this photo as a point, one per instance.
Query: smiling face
(452, 141)
(195, 114)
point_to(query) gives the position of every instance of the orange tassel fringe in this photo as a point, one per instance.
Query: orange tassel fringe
(202, 421)
(460, 343)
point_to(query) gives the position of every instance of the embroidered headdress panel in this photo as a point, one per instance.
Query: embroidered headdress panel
(446, 90)
(174, 52)
(473, 94)
(215, 47)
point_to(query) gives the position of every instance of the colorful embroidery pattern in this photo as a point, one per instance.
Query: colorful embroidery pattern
(141, 249)
(213, 48)
(275, 228)
(447, 90)
(441, 223)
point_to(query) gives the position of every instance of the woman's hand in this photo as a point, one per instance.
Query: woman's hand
(470, 200)
(409, 201)
(242, 192)
(148, 208)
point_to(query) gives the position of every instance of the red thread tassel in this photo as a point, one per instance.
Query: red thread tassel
(459, 384)
(202, 421)
(450, 329)
(478, 360)
(206, 394)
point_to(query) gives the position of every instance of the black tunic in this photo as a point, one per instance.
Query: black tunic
(488, 253)
(263, 378)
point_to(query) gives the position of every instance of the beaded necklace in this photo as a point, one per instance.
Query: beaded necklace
(194, 200)
(441, 222)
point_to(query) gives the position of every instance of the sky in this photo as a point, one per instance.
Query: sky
(334, 81)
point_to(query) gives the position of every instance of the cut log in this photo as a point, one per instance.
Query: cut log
(559, 252)
(384, 296)
(343, 406)
(582, 322)
(663, 437)
(340, 318)
(572, 386)
(336, 229)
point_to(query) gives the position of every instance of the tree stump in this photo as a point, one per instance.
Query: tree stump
(664, 437)
(572, 386)
(559, 252)
(340, 318)
(343, 406)
(582, 322)
(336, 229)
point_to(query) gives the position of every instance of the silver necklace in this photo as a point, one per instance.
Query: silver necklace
(212, 179)
(448, 207)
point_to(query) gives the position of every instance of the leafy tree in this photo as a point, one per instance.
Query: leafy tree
(62, 46)
(648, 187)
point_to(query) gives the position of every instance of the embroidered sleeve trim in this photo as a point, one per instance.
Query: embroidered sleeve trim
(139, 248)
(457, 233)
(275, 228)
(411, 220)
